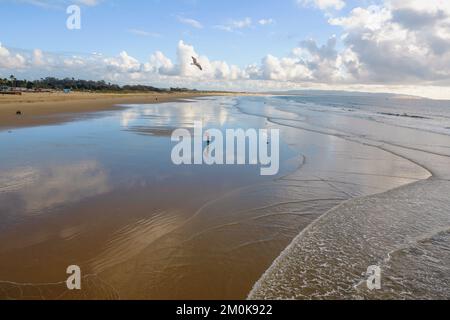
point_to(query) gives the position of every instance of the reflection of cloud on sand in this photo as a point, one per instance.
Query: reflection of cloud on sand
(164, 117)
(127, 117)
(45, 188)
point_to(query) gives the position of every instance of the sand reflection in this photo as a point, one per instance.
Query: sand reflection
(39, 189)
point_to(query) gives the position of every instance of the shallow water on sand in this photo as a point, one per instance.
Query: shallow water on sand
(102, 193)
(405, 232)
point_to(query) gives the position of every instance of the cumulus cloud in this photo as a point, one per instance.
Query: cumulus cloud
(38, 57)
(9, 60)
(320, 60)
(162, 65)
(284, 69)
(124, 63)
(308, 62)
(398, 42)
(123, 67)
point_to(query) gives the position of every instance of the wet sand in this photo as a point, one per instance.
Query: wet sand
(57, 107)
(102, 193)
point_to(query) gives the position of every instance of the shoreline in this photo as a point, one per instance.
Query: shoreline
(275, 282)
(259, 288)
(266, 286)
(264, 283)
(52, 108)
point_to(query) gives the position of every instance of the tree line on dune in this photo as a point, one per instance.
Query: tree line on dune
(51, 83)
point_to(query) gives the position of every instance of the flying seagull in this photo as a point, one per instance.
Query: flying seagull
(196, 63)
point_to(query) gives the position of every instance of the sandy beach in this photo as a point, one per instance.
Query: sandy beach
(55, 107)
(102, 193)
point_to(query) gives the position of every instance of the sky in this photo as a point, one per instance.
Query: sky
(400, 46)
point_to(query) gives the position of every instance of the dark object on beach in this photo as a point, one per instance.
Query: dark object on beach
(404, 115)
(18, 113)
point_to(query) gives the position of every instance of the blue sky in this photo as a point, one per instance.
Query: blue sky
(387, 45)
(106, 27)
